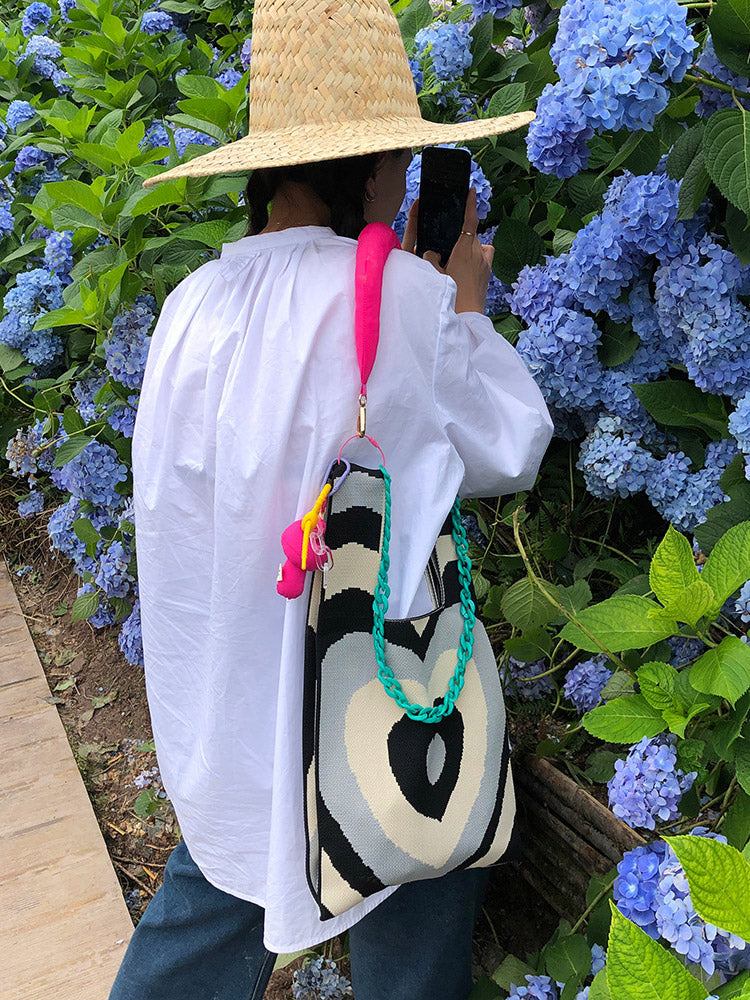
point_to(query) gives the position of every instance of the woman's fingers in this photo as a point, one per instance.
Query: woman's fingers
(409, 242)
(433, 258)
(471, 219)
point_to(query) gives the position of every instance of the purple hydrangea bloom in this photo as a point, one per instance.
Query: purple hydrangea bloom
(130, 639)
(246, 53)
(18, 112)
(58, 252)
(29, 451)
(65, 8)
(126, 350)
(516, 683)
(31, 156)
(112, 576)
(647, 786)
(229, 78)
(448, 47)
(122, 416)
(536, 988)
(585, 681)
(36, 14)
(7, 222)
(613, 461)
(32, 504)
(84, 391)
(36, 292)
(156, 22)
(320, 977)
(93, 474)
(637, 884)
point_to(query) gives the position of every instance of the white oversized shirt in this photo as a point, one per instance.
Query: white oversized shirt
(251, 386)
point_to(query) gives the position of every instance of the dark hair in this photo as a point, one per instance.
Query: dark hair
(340, 184)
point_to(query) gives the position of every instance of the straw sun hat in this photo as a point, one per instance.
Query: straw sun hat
(329, 78)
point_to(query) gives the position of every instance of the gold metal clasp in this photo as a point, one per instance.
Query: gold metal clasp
(362, 418)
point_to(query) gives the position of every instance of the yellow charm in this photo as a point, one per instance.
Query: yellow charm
(311, 519)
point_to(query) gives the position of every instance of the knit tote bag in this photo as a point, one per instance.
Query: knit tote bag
(391, 797)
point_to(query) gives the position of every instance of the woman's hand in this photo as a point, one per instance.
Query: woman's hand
(470, 262)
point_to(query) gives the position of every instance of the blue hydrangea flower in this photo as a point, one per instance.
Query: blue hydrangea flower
(598, 959)
(112, 576)
(32, 504)
(29, 452)
(742, 604)
(31, 156)
(184, 137)
(130, 639)
(84, 391)
(36, 14)
(156, 22)
(613, 461)
(498, 8)
(682, 497)
(246, 53)
(448, 47)
(637, 884)
(739, 427)
(679, 924)
(320, 977)
(126, 350)
(65, 8)
(684, 650)
(647, 786)
(35, 293)
(7, 222)
(229, 78)
(58, 252)
(60, 531)
(18, 112)
(517, 684)
(536, 988)
(93, 474)
(122, 416)
(585, 681)
(713, 99)
(560, 351)
(613, 58)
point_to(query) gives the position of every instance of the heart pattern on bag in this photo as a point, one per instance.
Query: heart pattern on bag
(425, 759)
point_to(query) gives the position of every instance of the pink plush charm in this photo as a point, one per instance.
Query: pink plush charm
(304, 546)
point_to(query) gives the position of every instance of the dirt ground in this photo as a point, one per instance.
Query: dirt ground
(102, 703)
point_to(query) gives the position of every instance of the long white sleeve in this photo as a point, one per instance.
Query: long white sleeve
(492, 410)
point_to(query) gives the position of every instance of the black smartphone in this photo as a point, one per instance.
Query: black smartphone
(443, 189)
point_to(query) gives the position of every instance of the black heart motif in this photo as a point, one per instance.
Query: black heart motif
(408, 745)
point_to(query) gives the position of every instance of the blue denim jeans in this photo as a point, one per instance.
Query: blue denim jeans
(195, 942)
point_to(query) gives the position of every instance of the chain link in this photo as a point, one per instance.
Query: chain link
(386, 676)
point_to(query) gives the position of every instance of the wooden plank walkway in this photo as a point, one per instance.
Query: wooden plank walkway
(64, 924)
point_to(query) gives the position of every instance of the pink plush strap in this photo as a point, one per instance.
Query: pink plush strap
(375, 243)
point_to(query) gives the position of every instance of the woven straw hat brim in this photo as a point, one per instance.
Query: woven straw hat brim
(332, 140)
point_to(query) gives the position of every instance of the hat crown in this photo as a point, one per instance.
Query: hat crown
(320, 61)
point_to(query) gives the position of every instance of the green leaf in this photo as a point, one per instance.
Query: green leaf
(720, 519)
(531, 646)
(72, 192)
(516, 244)
(10, 358)
(638, 968)
(624, 720)
(620, 683)
(536, 74)
(726, 151)
(84, 606)
(526, 607)
(147, 803)
(620, 622)
(599, 987)
(600, 766)
(691, 604)
(742, 764)
(568, 959)
(684, 151)
(507, 100)
(736, 826)
(70, 448)
(728, 566)
(723, 670)
(512, 970)
(729, 24)
(485, 989)
(682, 404)
(738, 230)
(726, 731)
(735, 989)
(416, 16)
(693, 188)
(657, 683)
(85, 530)
(719, 880)
(481, 38)
(672, 567)
(618, 343)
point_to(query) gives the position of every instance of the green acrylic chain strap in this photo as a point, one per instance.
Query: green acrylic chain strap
(391, 683)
